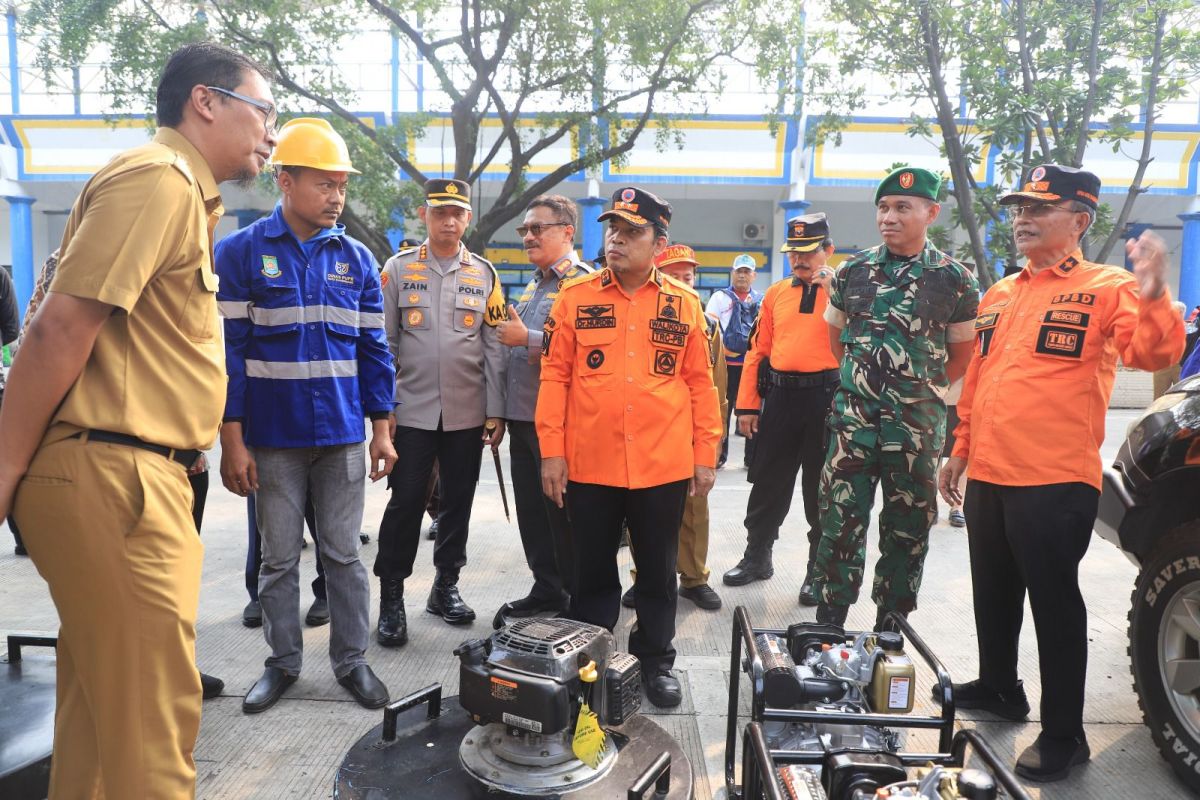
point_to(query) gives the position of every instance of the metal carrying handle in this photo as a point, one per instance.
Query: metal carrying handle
(18, 640)
(658, 773)
(758, 771)
(1000, 770)
(392, 711)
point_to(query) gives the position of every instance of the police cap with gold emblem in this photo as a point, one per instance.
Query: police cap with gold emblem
(447, 192)
(806, 233)
(1050, 183)
(638, 207)
(911, 181)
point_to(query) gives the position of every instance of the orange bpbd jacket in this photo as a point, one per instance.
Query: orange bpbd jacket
(627, 394)
(1046, 347)
(790, 331)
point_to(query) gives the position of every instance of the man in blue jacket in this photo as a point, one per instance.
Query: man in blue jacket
(307, 361)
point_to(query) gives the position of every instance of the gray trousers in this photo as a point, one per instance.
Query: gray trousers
(335, 477)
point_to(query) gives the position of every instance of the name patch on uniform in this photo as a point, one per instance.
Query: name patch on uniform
(409, 286)
(1077, 298)
(345, 280)
(1056, 341)
(665, 331)
(595, 358)
(1068, 317)
(664, 362)
(668, 306)
(471, 290)
(270, 267)
(592, 317)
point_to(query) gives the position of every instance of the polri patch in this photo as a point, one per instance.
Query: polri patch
(1056, 341)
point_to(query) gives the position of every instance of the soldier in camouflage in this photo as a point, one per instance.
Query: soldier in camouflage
(900, 317)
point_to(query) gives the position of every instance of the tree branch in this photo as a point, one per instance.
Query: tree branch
(427, 51)
(1085, 115)
(1027, 75)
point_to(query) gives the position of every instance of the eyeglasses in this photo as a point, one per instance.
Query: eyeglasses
(1034, 210)
(537, 228)
(269, 111)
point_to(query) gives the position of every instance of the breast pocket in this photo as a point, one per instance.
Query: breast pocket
(1062, 334)
(859, 301)
(468, 314)
(596, 354)
(414, 310)
(199, 318)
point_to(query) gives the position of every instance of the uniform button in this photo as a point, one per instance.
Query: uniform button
(629, 438)
(1020, 313)
(996, 380)
(629, 408)
(312, 327)
(631, 354)
(633, 302)
(313, 356)
(309, 297)
(1008, 347)
(316, 394)
(631, 327)
(629, 379)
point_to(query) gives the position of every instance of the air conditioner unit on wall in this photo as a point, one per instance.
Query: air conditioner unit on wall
(754, 231)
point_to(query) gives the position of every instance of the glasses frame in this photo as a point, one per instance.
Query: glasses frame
(270, 112)
(538, 228)
(1037, 210)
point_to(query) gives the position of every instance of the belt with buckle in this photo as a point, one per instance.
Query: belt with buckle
(185, 457)
(803, 380)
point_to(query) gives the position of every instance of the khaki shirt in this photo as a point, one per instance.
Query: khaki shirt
(441, 329)
(139, 238)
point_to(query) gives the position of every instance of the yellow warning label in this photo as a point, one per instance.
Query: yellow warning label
(588, 744)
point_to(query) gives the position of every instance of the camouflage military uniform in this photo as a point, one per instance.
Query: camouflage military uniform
(888, 417)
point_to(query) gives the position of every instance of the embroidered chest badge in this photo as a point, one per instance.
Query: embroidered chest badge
(270, 267)
(341, 267)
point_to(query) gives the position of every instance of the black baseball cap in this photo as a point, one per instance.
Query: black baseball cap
(806, 233)
(638, 207)
(1050, 183)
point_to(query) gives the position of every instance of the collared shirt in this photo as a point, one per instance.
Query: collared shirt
(533, 307)
(140, 238)
(720, 305)
(897, 317)
(1046, 347)
(627, 391)
(791, 332)
(441, 329)
(304, 339)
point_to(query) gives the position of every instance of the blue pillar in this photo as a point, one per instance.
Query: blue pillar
(14, 64)
(791, 208)
(593, 231)
(20, 223)
(1189, 260)
(245, 216)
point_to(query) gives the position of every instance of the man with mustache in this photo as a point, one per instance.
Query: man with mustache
(900, 318)
(307, 361)
(548, 233)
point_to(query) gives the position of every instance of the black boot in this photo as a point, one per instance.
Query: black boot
(833, 615)
(393, 624)
(883, 612)
(807, 598)
(754, 566)
(446, 602)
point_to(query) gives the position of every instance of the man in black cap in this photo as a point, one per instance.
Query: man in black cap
(441, 305)
(1032, 417)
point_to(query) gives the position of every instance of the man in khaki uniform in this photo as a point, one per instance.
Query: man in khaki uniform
(118, 386)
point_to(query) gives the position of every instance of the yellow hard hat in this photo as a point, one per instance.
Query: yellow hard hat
(312, 142)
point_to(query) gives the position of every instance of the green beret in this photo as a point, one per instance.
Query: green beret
(912, 181)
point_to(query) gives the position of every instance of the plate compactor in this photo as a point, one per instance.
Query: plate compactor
(551, 711)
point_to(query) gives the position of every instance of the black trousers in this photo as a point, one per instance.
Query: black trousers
(1032, 538)
(734, 372)
(654, 515)
(458, 455)
(794, 439)
(545, 531)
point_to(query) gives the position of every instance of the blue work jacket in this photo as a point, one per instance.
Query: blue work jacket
(304, 343)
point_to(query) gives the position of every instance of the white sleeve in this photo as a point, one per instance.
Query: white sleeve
(720, 306)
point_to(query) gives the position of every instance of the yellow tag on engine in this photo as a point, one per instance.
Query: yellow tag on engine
(588, 744)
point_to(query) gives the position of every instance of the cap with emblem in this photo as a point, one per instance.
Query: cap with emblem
(676, 254)
(1050, 183)
(447, 192)
(805, 233)
(911, 181)
(638, 207)
(743, 261)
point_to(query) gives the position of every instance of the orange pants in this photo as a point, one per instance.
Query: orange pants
(110, 529)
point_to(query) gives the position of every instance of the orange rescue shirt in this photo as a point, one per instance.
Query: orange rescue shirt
(627, 393)
(1046, 346)
(791, 332)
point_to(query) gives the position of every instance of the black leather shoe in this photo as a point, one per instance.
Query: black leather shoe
(627, 599)
(748, 570)
(392, 630)
(19, 550)
(1050, 758)
(447, 603)
(367, 689)
(210, 687)
(807, 598)
(702, 595)
(1010, 703)
(267, 690)
(433, 529)
(252, 614)
(318, 613)
(529, 606)
(662, 689)
(833, 615)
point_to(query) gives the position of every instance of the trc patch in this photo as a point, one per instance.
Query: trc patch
(1055, 341)
(1065, 317)
(664, 362)
(668, 338)
(1075, 298)
(595, 359)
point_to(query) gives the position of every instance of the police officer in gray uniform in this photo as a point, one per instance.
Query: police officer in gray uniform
(547, 234)
(441, 306)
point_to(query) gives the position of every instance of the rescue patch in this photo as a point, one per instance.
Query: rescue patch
(668, 306)
(664, 362)
(270, 267)
(1068, 317)
(596, 316)
(1054, 341)
(1076, 298)
(595, 359)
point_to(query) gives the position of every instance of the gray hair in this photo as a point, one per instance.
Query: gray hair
(1083, 208)
(562, 207)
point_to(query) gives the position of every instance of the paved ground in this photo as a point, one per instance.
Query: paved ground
(293, 750)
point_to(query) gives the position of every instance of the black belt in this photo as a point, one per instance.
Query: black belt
(803, 380)
(185, 457)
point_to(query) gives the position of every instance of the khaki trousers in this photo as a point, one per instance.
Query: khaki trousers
(109, 528)
(690, 563)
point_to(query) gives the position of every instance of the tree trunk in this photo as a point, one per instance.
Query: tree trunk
(375, 241)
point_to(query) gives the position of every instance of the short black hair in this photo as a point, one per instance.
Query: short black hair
(199, 64)
(561, 206)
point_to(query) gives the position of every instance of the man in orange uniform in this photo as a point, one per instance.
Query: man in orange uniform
(1031, 423)
(789, 349)
(629, 425)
